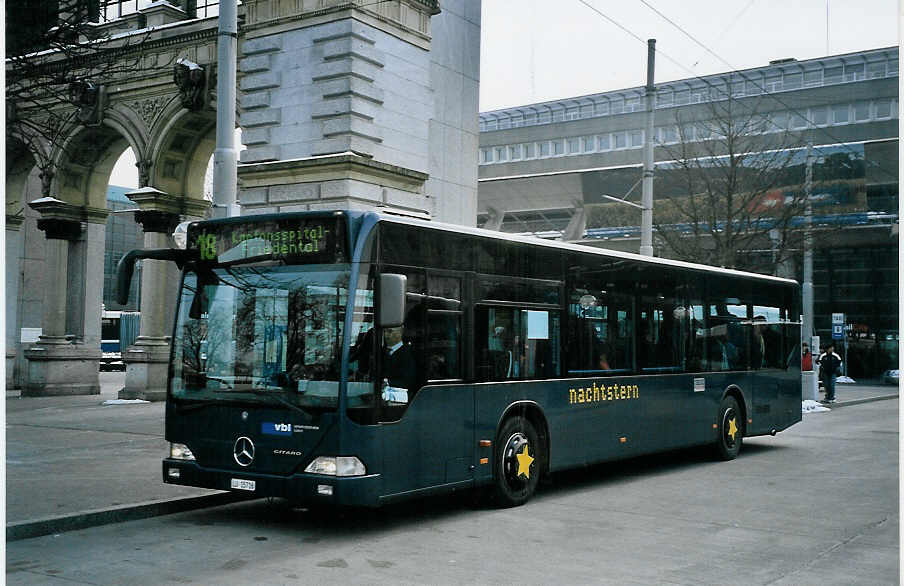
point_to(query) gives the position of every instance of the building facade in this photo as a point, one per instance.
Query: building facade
(546, 168)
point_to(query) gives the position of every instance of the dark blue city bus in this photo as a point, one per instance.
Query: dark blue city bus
(362, 358)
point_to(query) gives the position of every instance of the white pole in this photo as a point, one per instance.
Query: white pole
(807, 329)
(225, 156)
(646, 222)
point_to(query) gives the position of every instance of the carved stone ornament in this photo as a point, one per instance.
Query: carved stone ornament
(191, 80)
(87, 97)
(149, 108)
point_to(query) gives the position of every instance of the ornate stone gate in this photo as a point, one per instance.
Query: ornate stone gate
(342, 104)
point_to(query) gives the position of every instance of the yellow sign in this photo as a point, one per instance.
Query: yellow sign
(598, 393)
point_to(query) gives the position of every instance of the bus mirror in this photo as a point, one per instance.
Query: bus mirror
(126, 267)
(392, 300)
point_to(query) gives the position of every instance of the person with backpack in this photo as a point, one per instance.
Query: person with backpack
(829, 369)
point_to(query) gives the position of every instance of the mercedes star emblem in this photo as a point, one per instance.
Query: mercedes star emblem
(243, 451)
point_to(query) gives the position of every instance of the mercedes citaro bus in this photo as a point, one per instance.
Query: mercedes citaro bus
(362, 358)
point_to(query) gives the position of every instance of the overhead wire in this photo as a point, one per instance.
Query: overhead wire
(732, 72)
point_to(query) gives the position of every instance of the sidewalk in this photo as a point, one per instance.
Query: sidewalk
(72, 462)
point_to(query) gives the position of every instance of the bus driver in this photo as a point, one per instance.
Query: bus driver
(398, 367)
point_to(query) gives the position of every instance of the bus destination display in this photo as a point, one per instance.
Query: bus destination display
(300, 240)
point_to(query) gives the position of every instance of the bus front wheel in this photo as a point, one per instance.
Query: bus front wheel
(731, 429)
(517, 466)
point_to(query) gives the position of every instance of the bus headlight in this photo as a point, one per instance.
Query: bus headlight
(336, 466)
(180, 452)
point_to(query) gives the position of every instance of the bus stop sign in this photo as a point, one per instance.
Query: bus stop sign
(837, 326)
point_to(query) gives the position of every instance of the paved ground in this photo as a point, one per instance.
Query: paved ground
(816, 505)
(73, 462)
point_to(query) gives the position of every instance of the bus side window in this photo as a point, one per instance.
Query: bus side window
(516, 344)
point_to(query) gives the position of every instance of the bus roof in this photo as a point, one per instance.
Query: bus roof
(461, 229)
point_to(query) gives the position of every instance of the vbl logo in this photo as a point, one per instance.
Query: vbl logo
(276, 428)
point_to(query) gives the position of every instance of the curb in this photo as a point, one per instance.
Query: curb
(864, 400)
(93, 518)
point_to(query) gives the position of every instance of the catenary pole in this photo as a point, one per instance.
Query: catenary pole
(225, 155)
(810, 382)
(646, 222)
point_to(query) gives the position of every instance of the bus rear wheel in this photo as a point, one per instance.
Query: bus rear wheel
(517, 465)
(731, 429)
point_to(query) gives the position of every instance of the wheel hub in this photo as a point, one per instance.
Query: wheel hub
(517, 460)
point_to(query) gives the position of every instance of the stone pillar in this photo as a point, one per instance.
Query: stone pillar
(62, 362)
(13, 254)
(147, 361)
(335, 104)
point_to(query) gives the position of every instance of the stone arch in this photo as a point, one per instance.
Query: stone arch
(86, 159)
(181, 151)
(20, 163)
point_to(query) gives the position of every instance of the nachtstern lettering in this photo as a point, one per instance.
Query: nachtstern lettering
(602, 392)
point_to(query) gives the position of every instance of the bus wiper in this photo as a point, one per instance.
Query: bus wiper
(279, 399)
(220, 380)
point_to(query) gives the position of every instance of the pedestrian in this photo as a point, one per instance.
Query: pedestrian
(829, 368)
(806, 360)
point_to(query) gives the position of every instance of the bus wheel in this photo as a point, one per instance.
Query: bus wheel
(517, 463)
(731, 429)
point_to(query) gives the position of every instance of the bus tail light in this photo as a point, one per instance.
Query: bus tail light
(180, 452)
(336, 466)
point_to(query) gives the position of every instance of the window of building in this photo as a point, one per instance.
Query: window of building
(718, 91)
(819, 115)
(601, 109)
(515, 152)
(558, 147)
(812, 78)
(500, 154)
(832, 74)
(841, 114)
(491, 124)
(486, 155)
(687, 132)
(874, 70)
(574, 146)
(528, 150)
(588, 143)
(682, 97)
(544, 117)
(664, 98)
(699, 95)
(703, 131)
(892, 67)
(617, 106)
(798, 121)
(635, 138)
(113, 9)
(505, 123)
(778, 122)
(883, 108)
(543, 148)
(792, 81)
(668, 134)
(572, 113)
(737, 89)
(753, 87)
(530, 118)
(774, 82)
(586, 110)
(517, 121)
(853, 72)
(861, 111)
(619, 140)
(633, 105)
(603, 141)
(558, 115)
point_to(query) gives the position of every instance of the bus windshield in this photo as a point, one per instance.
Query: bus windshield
(267, 334)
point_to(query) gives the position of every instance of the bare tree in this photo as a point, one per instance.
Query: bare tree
(732, 188)
(59, 60)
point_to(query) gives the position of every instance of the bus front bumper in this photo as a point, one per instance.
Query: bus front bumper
(311, 489)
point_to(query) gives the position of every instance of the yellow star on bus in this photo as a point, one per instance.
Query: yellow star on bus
(524, 462)
(732, 428)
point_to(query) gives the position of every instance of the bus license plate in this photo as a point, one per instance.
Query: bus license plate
(241, 484)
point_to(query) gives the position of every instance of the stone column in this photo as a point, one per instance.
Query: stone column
(13, 254)
(61, 363)
(335, 102)
(147, 361)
